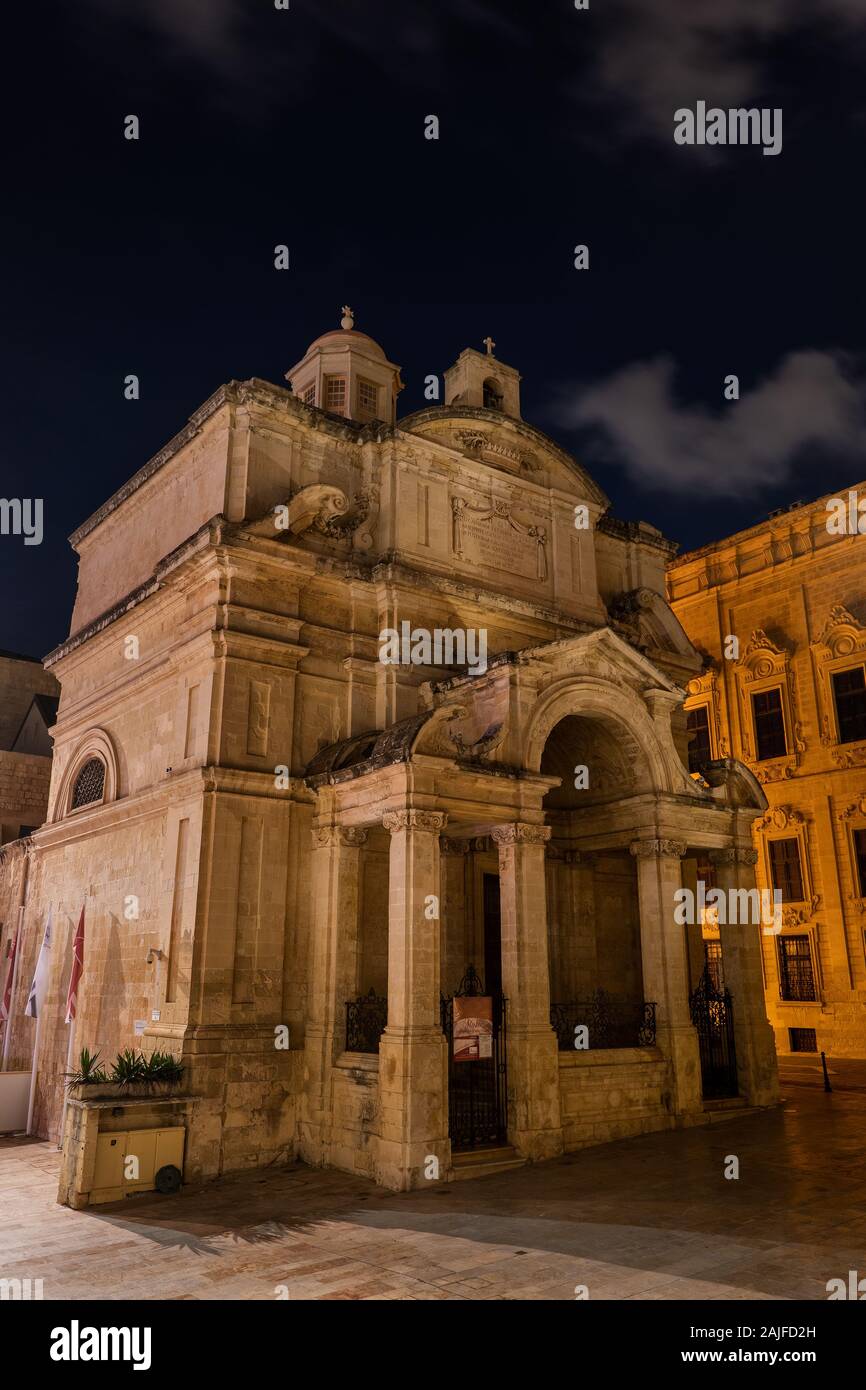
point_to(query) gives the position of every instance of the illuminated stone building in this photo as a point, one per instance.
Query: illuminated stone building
(294, 854)
(790, 703)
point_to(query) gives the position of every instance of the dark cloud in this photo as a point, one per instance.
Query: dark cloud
(654, 57)
(811, 399)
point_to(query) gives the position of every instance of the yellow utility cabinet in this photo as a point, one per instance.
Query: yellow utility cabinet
(129, 1160)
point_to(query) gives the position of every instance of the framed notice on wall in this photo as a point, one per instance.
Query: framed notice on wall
(473, 1027)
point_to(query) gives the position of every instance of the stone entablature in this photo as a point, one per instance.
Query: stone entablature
(791, 538)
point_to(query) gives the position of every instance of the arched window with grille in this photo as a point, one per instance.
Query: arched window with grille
(89, 784)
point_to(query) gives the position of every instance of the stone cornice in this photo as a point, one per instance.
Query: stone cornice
(206, 537)
(255, 391)
(639, 532)
(804, 521)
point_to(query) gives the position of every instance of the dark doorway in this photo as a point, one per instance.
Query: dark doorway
(492, 935)
(713, 1018)
(477, 1090)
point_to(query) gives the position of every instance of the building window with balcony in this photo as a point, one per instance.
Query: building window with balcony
(796, 976)
(786, 870)
(698, 727)
(770, 739)
(849, 693)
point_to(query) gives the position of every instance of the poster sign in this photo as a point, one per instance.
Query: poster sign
(473, 1027)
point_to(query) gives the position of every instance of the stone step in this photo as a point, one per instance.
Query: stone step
(479, 1163)
(717, 1111)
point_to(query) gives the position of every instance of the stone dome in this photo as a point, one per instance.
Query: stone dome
(347, 337)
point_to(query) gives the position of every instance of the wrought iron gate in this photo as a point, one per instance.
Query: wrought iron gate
(713, 1018)
(477, 1090)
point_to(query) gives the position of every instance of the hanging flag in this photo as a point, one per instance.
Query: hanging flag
(77, 969)
(39, 987)
(6, 1001)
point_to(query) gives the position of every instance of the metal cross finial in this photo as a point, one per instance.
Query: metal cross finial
(489, 344)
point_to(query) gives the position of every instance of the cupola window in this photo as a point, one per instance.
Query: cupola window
(335, 394)
(368, 400)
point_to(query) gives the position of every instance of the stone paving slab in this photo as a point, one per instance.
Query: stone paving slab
(648, 1218)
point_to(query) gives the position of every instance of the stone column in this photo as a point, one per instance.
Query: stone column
(413, 1079)
(333, 975)
(534, 1116)
(665, 966)
(757, 1072)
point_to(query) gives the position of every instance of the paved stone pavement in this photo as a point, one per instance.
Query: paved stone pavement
(646, 1218)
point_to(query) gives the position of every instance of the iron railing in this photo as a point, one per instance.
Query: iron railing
(366, 1017)
(609, 1022)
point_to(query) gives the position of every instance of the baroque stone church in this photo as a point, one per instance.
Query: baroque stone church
(387, 914)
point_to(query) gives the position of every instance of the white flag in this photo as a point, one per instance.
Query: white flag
(39, 987)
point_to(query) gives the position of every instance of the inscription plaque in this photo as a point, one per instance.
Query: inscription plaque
(493, 541)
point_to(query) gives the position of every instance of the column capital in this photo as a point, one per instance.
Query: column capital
(519, 832)
(747, 856)
(349, 836)
(723, 857)
(654, 848)
(449, 845)
(434, 821)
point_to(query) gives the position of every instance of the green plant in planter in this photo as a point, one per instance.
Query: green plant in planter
(89, 1073)
(161, 1066)
(129, 1067)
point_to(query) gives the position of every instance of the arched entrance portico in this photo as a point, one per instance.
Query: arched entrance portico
(588, 872)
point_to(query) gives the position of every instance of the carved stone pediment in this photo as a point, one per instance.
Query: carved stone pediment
(841, 634)
(707, 689)
(841, 644)
(765, 666)
(479, 443)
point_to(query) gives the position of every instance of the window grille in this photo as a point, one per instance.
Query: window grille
(89, 784)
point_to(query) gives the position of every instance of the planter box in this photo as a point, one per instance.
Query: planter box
(14, 1099)
(90, 1119)
(125, 1091)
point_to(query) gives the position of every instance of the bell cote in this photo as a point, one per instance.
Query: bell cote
(346, 373)
(480, 379)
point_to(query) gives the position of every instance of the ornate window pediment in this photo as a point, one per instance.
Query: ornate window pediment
(853, 819)
(705, 691)
(764, 668)
(840, 647)
(787, 823)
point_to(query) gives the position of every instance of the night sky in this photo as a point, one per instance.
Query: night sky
(306, 127)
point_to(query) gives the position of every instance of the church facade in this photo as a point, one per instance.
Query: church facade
(370, 770)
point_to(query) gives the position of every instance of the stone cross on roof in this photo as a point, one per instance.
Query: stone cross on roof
(489, 344)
